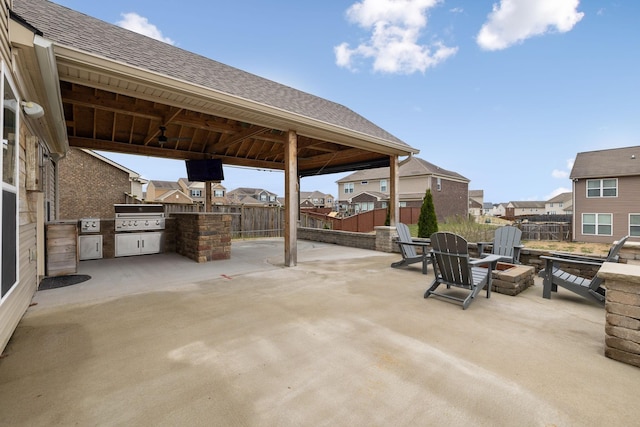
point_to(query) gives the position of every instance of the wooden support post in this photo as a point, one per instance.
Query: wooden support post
(291, 200)
(394, 204)
(207, 196)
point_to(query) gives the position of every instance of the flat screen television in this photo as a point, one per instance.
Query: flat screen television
(204, 170)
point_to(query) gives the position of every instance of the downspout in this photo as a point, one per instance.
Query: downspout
(53, 106)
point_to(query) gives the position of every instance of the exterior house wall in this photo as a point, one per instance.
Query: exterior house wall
(413, 184)
(89, 187)
(452, 200)
(627, 201)
(34, 197)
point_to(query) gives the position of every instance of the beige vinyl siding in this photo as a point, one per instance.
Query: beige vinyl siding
(16, 302)
(414, 184)
(4, 31)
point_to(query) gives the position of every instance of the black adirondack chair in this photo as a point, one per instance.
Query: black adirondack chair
(452, 266)
(408, 249)
(554, 276)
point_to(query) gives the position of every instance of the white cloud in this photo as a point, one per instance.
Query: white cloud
(556, 173)
(557, 191)
(563, 174)
(513, 21)
(139, 24)
(393, 45)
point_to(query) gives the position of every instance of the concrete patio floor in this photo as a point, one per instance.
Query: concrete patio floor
(341, 339)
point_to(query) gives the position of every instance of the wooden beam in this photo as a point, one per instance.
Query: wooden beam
(239, 137)
(120, 147)
(291, 200)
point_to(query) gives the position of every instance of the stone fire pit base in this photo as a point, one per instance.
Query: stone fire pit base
(511, 279)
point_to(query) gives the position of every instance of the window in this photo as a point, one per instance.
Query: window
(348, 187)
(263, 197)
(196, 193)
(364, 206)
(9, 201)
(218, 193)
(272, 198)
(383, 185)
(634, 225)
(602, 187)
(439, 184)
(597, 224)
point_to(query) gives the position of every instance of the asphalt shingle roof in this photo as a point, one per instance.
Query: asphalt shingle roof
(607, 163)
(73, 29)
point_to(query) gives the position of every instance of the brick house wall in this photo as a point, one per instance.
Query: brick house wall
(89, 187)
(449, 202)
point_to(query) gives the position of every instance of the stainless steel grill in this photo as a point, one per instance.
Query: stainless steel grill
(138, 217)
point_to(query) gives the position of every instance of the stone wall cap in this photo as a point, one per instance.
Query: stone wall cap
(626, 272)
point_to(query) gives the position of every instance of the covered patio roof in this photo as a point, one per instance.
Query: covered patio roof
(119, 89)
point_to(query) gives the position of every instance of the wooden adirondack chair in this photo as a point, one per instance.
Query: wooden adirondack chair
(554, 276)
(453, 267)
(408, 249)
(506, 243)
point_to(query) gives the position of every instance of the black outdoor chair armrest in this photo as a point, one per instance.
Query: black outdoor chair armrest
(572, 260)
(571, 257)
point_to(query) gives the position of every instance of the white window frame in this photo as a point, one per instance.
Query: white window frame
(12, 187)
(598, 224)
(218, 193)
(196, 193)
(438, 184)
(348, 188)
(383, 186)
(634, 228)
(601, 188)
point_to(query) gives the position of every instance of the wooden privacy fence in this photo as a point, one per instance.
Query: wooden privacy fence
(246, 221)
(560, 231)
(364, 222)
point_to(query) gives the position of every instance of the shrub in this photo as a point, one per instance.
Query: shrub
(427, 222)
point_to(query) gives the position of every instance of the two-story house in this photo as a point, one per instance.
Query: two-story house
(524, 208)
(559, 205)
(316, 199)
(252, 196)
(105, 181)
(369, 189)
(606, 195)
(166, 192)
(196, 191)
(476, 203)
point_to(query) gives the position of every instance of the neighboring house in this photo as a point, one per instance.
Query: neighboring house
(475, 208)
(103, 182)
(487, 208)
(606, 191)
(252, 196)
(559, 205)
(499, 209)
(450, 190)
(316, 199)
(524, 208)
(476, 203)
(166, 192)
(195, 190)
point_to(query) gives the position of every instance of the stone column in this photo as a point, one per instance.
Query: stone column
(622, 328)
(385, 237)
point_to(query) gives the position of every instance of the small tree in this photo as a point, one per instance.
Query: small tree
(427, 223)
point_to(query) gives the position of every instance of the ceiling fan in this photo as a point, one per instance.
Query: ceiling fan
(163, 139)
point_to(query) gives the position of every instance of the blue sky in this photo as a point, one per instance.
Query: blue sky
(504, 92)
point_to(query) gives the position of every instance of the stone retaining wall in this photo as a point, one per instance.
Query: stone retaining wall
(342, 238)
